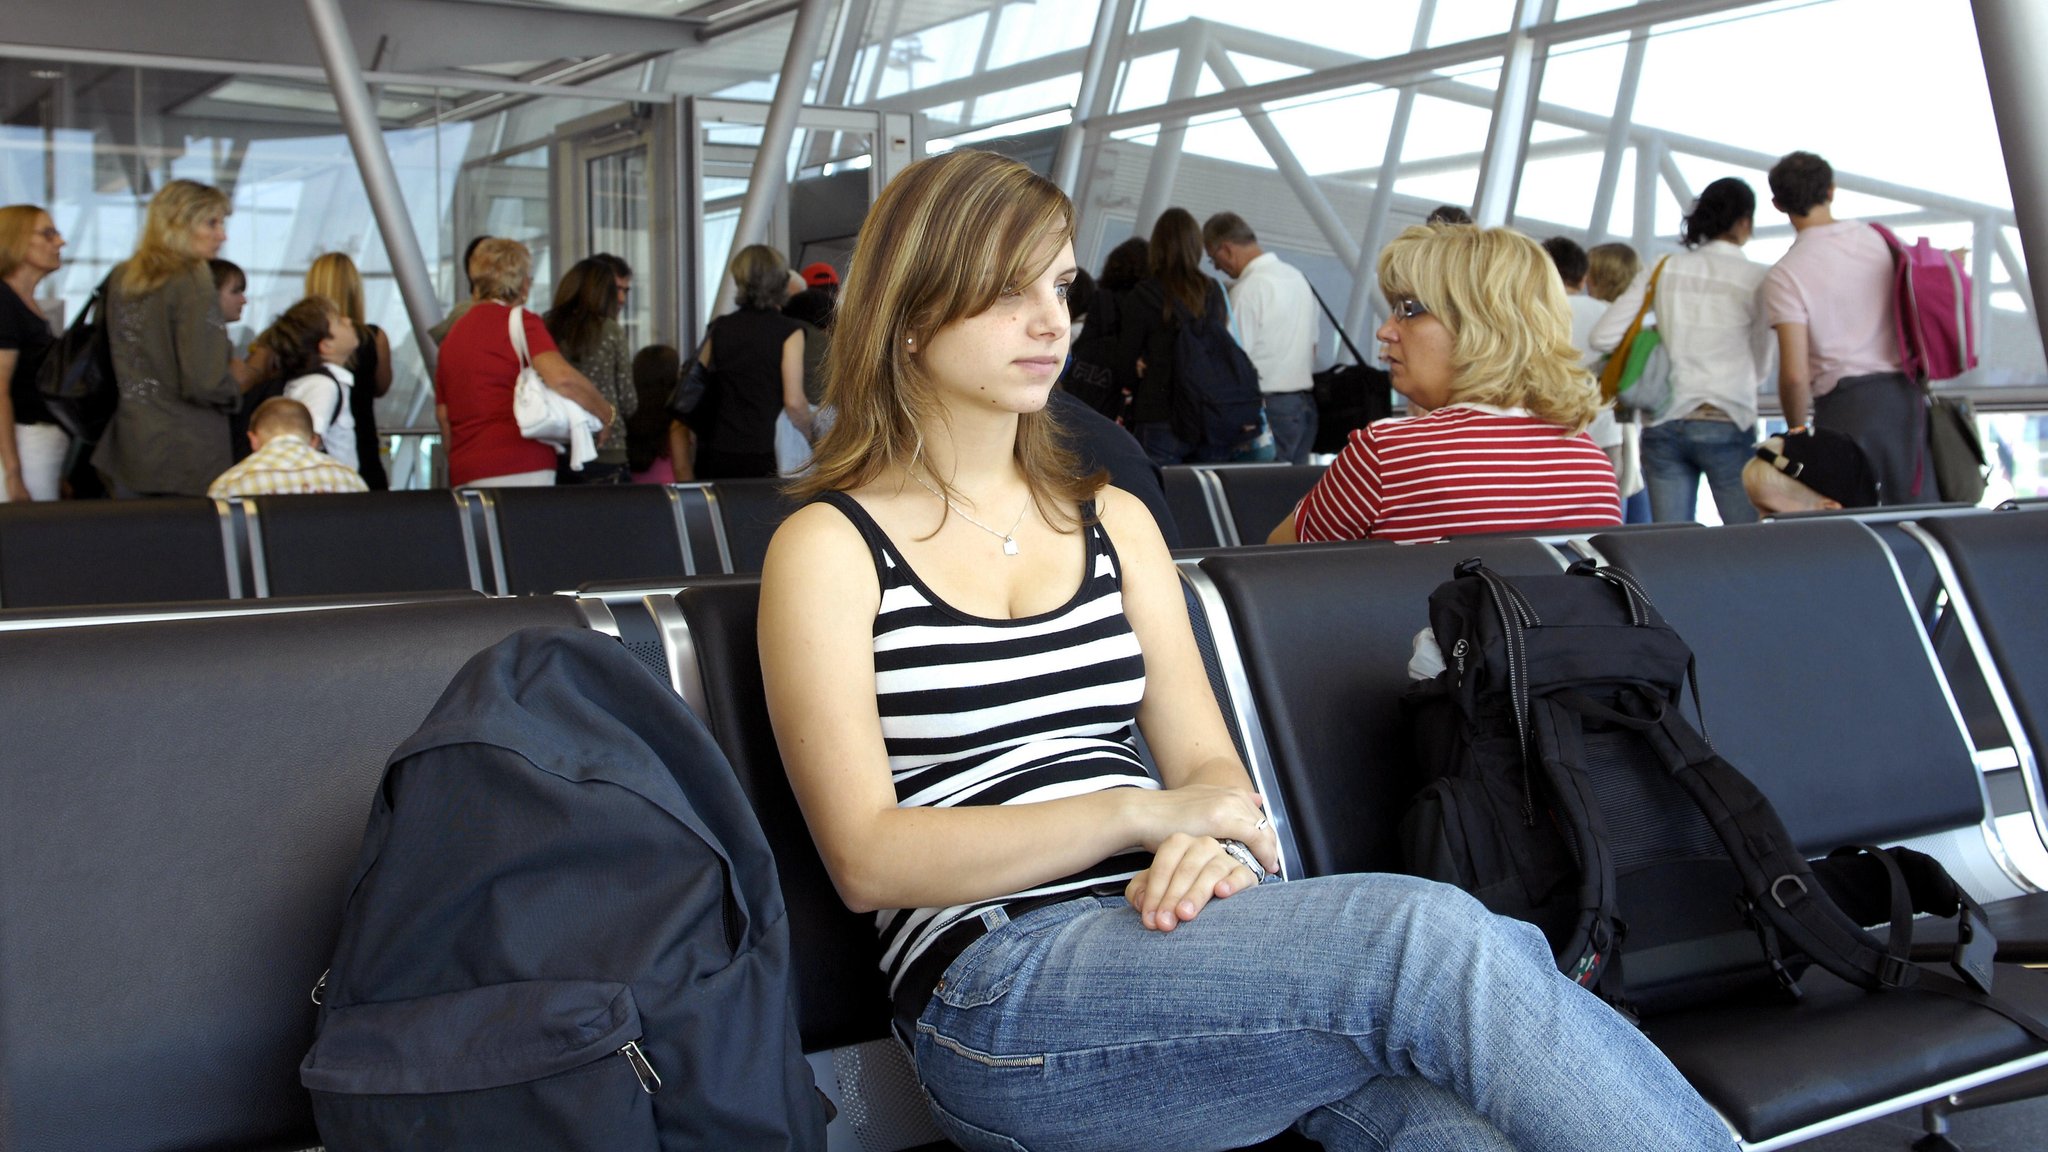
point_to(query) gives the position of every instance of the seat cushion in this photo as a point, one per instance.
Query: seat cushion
(1771, 1068)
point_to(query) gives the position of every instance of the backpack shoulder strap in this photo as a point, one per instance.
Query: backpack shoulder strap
(340, 395)
(1776, 878)
(1592, 957)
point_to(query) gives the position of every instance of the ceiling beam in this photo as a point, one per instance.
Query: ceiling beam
(415, 35)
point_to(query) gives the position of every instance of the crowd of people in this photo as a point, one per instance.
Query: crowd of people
(191, 410)
(1496, 344)
(1494, 347)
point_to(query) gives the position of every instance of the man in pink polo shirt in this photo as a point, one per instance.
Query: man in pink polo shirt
(1830, 299)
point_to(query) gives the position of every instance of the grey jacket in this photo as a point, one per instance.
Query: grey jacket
(170, 433)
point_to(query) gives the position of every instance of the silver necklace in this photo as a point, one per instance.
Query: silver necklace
(1009, 538)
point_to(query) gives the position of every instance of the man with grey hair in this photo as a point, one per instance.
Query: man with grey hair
(1275, 313)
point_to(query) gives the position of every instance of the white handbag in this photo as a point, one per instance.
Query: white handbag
(545, 414)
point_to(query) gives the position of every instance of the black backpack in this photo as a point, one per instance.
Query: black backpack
(1216, 402)
(77, 379)
(564, 930)
(1565, 788)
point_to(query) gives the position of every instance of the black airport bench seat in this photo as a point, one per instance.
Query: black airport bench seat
(180, 801)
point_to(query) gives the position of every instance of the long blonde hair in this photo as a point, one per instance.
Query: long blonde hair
(166, 248)
(334, 277)
(1511, 328)
(942, 243)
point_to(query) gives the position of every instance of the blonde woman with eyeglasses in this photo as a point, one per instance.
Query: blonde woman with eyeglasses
(961, 634)
(1480, 342)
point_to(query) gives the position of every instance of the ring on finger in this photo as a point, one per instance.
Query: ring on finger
(1264, 823)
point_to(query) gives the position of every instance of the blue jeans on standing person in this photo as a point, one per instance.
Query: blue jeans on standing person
(1292, 416)
(1374, 1011)
(1162, 447)
(1677, 453)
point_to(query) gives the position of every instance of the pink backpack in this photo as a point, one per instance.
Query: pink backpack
(1931, 305)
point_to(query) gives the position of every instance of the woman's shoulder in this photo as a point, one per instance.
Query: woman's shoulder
(819, 544)
(1127, 520)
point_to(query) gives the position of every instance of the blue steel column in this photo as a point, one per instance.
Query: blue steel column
(380, 179)
(2013, 35)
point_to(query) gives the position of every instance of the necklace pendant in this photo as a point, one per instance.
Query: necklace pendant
(1009, 545)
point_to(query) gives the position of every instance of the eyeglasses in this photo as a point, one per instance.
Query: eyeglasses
(1408, 308)
(49, 233)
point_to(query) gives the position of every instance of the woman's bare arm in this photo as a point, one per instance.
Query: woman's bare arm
(10, 454)
(793, 401)
(383, 380)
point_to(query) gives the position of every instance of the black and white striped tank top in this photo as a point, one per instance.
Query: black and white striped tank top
(985, 711)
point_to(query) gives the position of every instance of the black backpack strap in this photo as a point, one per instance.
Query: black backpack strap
(1793, 901)
(1779, 882)
(1593, 957)
(1356, 358)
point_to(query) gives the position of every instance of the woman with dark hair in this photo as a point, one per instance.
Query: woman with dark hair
(1719, 344)
(1150, 324)
(169, 435)
(961, 633)
(655, 441)
(1128, 263)
(584, 322)
(756, 356)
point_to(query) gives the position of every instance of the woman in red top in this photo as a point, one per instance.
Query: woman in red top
(478, 367)
(1480, 344)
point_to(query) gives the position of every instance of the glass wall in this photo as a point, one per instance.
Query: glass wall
(1352, 147)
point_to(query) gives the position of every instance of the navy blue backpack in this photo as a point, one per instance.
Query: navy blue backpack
(564, 930)
(1216, 400)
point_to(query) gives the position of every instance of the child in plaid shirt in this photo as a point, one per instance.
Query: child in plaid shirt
(284, 461)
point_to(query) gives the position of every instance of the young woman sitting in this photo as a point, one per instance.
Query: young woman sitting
(959, 635)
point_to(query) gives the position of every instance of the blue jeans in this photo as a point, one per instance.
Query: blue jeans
(1371, 1011)
(1677, 453)
(1292, 416)
(1163, 448)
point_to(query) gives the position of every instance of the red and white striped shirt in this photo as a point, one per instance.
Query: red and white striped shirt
(1461, 469)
